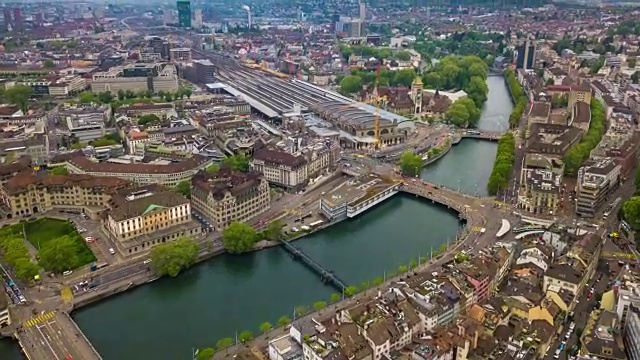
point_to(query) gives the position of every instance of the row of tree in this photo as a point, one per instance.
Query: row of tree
(518, 96)
(106, 97)
(368, 52)
(631, 207)
(17, 95)
(411, 163)
(16, 254)
(302, 310)
(468, 73)
(579, 153)
(173, 257)
(463, 113)
(240, 237)
(503, 164)
(357, 78)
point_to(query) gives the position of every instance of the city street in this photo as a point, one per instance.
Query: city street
(582, 310)
(48, 336)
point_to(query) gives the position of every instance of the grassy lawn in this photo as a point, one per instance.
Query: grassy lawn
(44, 230)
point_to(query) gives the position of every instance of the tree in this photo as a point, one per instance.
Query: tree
(274, 231)
(432, 80)
(105, 97)
(86, 97)
(183, 188)
(25, 268)
(402, 269)
(631, 211)
(350, 291)
(103, 141)
(335, 297)
(238, 162)
(224, 344)
(121, 95)
(319, 305)
(48, 64)
(18, 95)
(284, 320)
(59, 255)
(148, 118)
(245, 336)
(205, 354)
(351, 84)
(301, 310)
(503, 164)
(265, 327)
(171, 258)
(59, 170)
(239, 237)
(411, 163)
(378, 281)
(213, 168)
(403, 56)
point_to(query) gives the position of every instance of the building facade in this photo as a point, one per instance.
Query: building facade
(596, 182)
(143, 217)
(227, 196)
(184, 13)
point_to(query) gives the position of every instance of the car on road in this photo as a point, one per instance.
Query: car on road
(111, 251)
(90, 239)
(147, 261)
(67, 273)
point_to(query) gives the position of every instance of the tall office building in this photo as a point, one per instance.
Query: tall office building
(363, 10)
(197, 19)
(8, 23)
(184, 14)
(17, 19)
(526, 55)
(39, 20)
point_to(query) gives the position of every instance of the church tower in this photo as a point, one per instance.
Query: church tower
(416, 94)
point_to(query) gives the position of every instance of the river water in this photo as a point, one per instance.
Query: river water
(229, 294)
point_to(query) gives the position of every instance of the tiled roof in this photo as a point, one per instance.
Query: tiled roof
(155, 196)
(138, 168)
(25, 179)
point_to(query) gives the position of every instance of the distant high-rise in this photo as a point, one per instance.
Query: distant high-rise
(8, 23)
(526, 56)
(363, 10)
(197, 18)
(17, 19)
(39, 21)
(184, 13)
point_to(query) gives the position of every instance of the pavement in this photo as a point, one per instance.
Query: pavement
(53, 336)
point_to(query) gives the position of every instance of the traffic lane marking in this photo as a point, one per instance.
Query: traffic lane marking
(64, 340)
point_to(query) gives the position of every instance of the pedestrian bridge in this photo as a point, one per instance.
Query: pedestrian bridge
(326, 275)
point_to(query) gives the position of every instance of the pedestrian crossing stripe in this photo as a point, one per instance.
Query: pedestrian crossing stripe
(40, 319)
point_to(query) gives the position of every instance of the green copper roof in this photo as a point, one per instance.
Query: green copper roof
(151, 208)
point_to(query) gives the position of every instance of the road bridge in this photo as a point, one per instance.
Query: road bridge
(483, 135)
(326, 275)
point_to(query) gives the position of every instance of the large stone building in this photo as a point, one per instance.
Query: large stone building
(227, 196)
(167, 171)
(596, 183)
(136, 77)
(143, 217)
(292, 171)
(28, 193)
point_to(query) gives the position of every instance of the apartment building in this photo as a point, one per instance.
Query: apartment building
(167, 170)
(29, 193)
(136, 77)
(596, 182)
(34, 146)
(600, 337)
(86, 128)
(143, 217)
(541, 191)
(292, 171)
(227, 196)
(5, 316)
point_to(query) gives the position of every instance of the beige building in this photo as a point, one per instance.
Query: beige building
(28, 194)
(167, 171)
(291, 171)
(137, 77)
(144, 217)
(227, 196)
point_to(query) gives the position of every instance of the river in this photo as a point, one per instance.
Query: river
(165, 319)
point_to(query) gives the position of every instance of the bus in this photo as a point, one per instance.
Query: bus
(316, 223)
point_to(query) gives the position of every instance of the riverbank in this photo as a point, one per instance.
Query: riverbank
(141, 279)
(441, 152)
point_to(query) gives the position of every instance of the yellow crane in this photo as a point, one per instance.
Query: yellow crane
(376, 116)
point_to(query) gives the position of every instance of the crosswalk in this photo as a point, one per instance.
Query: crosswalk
(40, 319)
